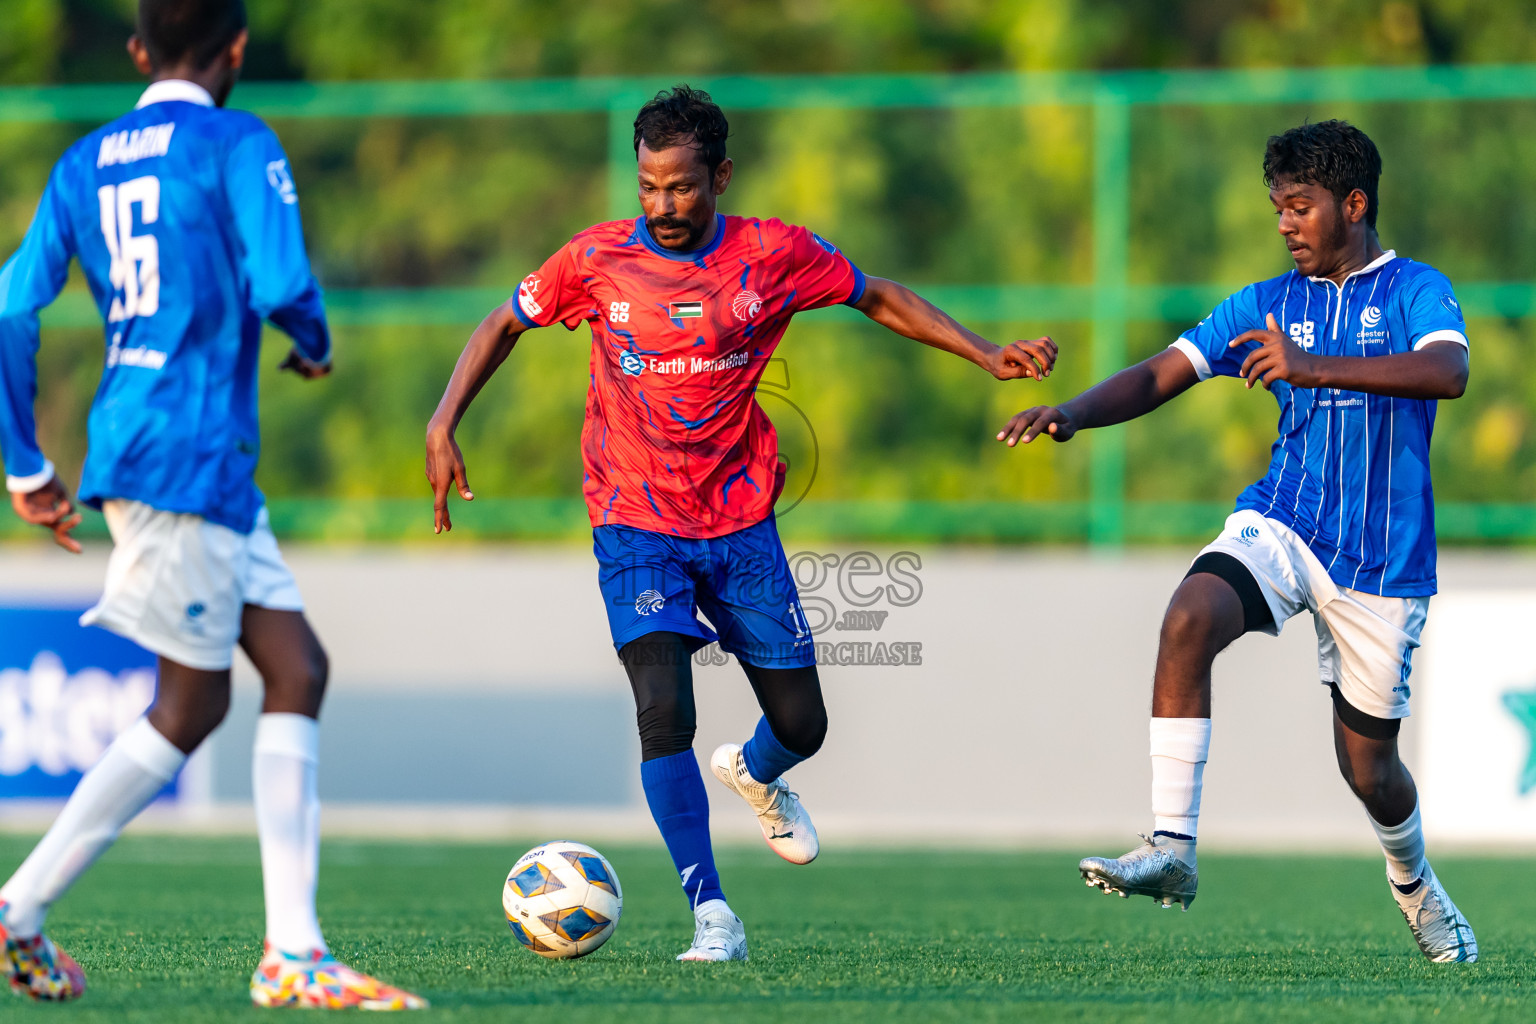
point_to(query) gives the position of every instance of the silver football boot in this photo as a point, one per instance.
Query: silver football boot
(1152, 869)
(1440, 929)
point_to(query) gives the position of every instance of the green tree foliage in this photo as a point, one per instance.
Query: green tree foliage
(995, 196)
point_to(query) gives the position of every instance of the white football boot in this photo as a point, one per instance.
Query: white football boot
(786, 826)
(1440, 929)
(718, 934)
(1152, 869)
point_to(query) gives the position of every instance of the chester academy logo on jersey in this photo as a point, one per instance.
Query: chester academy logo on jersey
(1371, 328)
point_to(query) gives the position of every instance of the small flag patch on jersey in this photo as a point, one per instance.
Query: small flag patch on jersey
(684, 310)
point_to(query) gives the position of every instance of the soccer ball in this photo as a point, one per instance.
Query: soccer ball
(562, 899)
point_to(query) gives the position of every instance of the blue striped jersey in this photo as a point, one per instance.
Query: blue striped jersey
(186, 224)
(1349, 472)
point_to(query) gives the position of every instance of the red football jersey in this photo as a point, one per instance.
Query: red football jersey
(674, 440)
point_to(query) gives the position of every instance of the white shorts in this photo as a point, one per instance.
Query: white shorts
(177, 584)
(1365, 642)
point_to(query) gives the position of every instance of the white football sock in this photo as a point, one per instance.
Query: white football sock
(1404, 846)
(129, 775)
(283, 774)
(1179, 750)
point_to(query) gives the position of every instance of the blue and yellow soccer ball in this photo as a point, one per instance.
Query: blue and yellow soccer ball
(562, 899)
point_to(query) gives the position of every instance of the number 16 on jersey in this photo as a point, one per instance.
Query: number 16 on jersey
(135, 269)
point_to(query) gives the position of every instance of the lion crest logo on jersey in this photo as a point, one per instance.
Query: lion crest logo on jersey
(747, 305)
(650, 602)
(527, 295)
(631, 363)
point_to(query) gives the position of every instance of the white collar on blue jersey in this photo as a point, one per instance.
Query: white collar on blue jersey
(174, 90)
(1376, 264)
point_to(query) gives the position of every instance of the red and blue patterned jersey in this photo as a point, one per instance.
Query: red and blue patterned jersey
(674, 440)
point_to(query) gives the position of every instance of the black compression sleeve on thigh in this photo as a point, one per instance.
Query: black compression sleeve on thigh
(1256, 613)
(791, 701)
(1357, 721)
(660, 669)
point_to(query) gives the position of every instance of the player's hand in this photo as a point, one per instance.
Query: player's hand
(1276, 358)
(1031, 423)
(49, 507)
(445, 470)
(306, 368)
(1030, 358)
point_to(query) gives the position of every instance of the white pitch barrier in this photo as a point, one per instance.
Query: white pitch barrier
(976, 695)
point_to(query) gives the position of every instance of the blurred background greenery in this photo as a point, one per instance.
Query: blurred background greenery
(900, 437)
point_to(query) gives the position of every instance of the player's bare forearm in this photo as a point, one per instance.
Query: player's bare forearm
(487, 349)
(1438, 370)
(1134, 391)
(900, 309)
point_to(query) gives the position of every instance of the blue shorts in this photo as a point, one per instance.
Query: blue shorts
(653, 582)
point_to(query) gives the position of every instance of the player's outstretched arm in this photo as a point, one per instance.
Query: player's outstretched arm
(1438, 370)
(1134, 391)
(910, 315)
(487, 349)
(29, 281)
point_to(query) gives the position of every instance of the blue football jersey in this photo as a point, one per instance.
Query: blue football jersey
(185, 221)
(1349, 472)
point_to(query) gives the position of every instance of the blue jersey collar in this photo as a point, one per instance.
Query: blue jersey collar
(174, 90)
(688, 255)
(1376, 264)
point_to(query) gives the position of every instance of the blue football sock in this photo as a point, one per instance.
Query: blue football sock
(766, 757)
(674, 789)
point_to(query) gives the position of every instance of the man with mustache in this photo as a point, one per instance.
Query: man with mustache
(682, 470)
(1356, 345)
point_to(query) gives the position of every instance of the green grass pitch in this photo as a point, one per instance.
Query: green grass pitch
(168, 930)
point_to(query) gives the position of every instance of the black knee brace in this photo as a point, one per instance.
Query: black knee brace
(791, 701)
(1256, 613)
(660, 672)
(1357, 721)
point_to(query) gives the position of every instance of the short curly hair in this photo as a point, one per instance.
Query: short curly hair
(1332, 154)
(682, 116)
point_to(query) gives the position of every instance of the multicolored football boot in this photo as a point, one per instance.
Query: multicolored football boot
(37, 968)
(318, 981)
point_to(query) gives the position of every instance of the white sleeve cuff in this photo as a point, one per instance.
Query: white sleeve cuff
(28, 484)
(1195, 356)
(1447, 335)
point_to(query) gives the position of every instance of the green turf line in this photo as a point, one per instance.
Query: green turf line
(168, 931)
